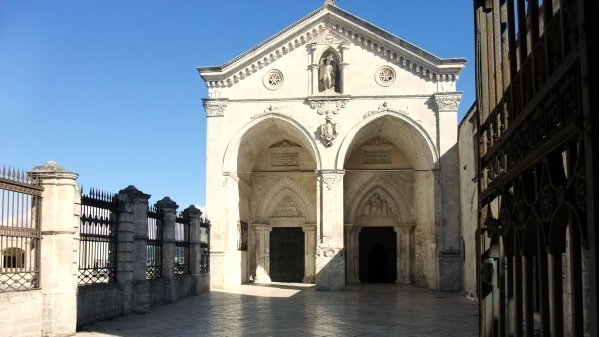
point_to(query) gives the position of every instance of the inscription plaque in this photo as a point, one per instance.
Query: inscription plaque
(284, 158)
(377, 156)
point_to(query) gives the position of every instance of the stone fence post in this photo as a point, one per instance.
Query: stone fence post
(169, 210)
(131, 249)
(193, 214)
(59, 261)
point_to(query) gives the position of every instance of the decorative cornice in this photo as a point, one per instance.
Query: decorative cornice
(447, 102)
(342, 26)
(215, 108)
(385, 107)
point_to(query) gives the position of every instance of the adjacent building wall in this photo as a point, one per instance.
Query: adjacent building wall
(467, 130)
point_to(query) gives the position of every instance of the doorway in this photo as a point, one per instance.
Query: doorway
(286, 254)
(377, 255)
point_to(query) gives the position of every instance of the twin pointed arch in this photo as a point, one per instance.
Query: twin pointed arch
(423, 145)
(302, 136)
(282, 189)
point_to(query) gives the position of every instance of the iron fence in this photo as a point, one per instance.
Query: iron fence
(20, 234)
(154, 244)
(182, 245)
(97, 238)
(205, 246)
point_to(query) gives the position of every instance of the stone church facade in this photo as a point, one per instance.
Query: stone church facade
(332, 159)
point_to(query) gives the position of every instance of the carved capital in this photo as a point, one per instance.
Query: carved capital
(447, 102)
(331, 179)
(215, 108)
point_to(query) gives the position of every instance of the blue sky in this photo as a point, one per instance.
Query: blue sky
(109, 88)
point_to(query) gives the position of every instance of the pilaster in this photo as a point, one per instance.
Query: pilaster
(352, 251)
(263, 233)
(60, 230)
(403, 250)
(330, 260)
(169, 210)
(310, 245)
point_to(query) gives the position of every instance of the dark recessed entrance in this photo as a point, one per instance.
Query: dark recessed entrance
(377, 259)
(286, 254)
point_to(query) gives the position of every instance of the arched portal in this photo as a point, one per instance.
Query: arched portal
(389, 201)
(273, 162)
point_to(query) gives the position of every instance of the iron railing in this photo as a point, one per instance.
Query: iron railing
(20, 234)
(154, 244)
(182, 245)
(98, 238)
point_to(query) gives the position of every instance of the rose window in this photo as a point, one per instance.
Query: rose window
(273, 79)
(385, 76)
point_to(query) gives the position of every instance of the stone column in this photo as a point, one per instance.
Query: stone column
(330, 260)
(61, 201)
(352, 253)
(262, 253)
(310, 249)
(195, 253)
(343, 72)
(403, 254)
(169, 210)
(141, 286)
(313, 88)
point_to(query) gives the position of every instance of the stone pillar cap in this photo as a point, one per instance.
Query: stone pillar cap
(192, 211)
(51, 168)
(132, 191)
(166, 203)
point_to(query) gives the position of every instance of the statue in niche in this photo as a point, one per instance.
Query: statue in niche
(377, 206)
(327, 73)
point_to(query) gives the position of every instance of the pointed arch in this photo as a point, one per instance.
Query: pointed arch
(405, 212)
(422, 151)
(389, 207)
(279, 190)
(294, 130)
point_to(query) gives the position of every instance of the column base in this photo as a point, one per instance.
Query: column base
(331, 272)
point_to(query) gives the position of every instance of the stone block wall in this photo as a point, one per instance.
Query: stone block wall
(98, 302)
(21, 313)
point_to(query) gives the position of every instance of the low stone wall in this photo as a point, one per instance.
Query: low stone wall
(21, 313)
(98, 302)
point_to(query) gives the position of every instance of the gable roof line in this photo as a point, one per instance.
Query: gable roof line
(449, 66)
(264, 43)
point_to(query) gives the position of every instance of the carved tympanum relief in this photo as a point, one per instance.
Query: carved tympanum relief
(287, 208)
(377, 206)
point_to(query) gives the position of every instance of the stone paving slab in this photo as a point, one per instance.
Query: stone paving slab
(298, 310)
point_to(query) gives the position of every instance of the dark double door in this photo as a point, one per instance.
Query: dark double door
(286, 262)
(377, 255)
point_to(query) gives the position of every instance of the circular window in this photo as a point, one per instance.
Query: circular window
(385, 76)
(273, 79)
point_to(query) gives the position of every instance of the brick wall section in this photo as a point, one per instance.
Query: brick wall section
(98, 302)
(21, 313)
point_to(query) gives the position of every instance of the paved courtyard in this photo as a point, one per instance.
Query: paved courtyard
(298, 310)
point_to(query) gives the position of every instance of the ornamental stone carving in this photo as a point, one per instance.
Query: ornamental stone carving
(447, 102)
(287, 208)
(327, 106)
(328, 131)
(385, 107)
(377, 206)
(215, 108)
(331, 181)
